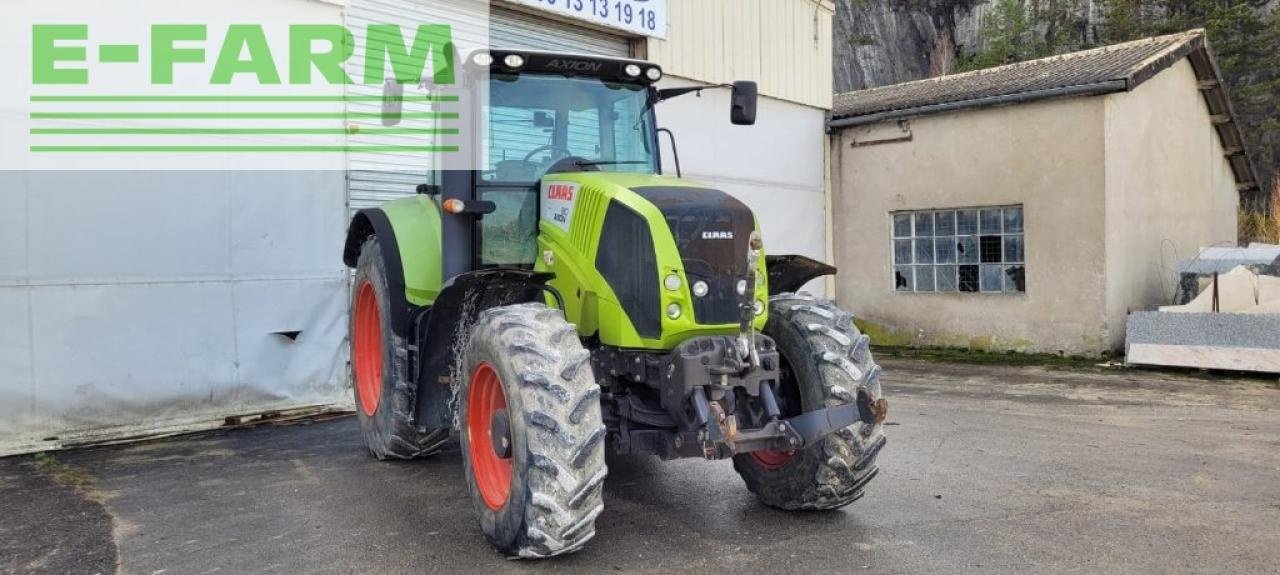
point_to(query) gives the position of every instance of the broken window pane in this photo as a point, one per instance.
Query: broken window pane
(967, 250)
(966, 222)
(946, 250)
(945, 224)
(990, 223)
(924, 251)
(990, 249)
(924, 224)
(1015, 279)
(1013, 249)
(902, 278)
(924, 278)
(1013, 220)
(992, 278)
(946, 278)
(901, 251)
(968, 278)
(902, 225)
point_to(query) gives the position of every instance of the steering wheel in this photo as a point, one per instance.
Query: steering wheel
(552, 147)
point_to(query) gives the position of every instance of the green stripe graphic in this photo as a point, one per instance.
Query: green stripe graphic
(241, 98)
(236, 115)
(237, 131)
(241, 149)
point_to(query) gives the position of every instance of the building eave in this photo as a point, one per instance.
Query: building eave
(1194, 48)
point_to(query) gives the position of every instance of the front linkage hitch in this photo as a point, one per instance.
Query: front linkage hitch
(701, 386)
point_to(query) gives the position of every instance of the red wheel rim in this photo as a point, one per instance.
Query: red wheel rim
(492, 473)
(771, 460)
(368, 349)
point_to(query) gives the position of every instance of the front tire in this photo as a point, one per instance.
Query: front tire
(826, 362)
(384, 392)
(532, 434)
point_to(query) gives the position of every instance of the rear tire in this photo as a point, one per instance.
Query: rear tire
(384, 393)
(826, 362)
(541, 496)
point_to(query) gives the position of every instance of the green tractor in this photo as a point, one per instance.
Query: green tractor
(570, 298)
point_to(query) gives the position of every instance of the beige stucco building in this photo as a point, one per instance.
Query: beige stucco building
(1031, 207)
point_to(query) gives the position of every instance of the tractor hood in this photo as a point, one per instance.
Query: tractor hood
(636, 231)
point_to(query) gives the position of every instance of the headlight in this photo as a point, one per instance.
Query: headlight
(758, 308)
(700, 288)
(482, 59)
(673, 311)
(672, 282)
(653, 74)
(742, 287)
(632, 70)
(513, 61)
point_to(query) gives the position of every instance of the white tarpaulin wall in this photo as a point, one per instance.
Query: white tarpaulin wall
(143, 302)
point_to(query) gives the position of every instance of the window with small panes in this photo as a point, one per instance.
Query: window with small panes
(968, 250)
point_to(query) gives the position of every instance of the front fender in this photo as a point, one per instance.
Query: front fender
(443, 330)
(789, 273)
(408, 230)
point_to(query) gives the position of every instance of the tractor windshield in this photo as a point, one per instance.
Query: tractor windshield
(538, 121)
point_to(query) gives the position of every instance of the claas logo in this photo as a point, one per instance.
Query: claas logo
(560, 192)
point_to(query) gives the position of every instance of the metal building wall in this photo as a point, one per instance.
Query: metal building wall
(510, 28)
(376, 178)
(785, 45)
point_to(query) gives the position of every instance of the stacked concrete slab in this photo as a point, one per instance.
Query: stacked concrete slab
(1232, 324)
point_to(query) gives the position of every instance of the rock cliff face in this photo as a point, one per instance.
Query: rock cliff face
(881, 42)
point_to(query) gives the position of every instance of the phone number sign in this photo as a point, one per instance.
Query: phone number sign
(642, 17)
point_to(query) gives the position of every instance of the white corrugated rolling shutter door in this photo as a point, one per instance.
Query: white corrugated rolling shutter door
(516, 29)
(376, 178)
(372, 180)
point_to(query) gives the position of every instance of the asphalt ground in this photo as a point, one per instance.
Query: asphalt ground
(989, 469)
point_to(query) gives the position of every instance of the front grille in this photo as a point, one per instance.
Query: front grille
(712, 230)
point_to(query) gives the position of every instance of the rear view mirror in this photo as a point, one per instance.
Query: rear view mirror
(392, 102)
(743, 107)
(543, 120)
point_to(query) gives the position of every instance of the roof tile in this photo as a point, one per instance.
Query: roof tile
(1132, 62)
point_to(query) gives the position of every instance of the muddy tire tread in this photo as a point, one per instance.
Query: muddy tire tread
(391, 435)
(564, 430)
(835, 472)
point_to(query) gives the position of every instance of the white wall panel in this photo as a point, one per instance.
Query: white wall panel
(283, 223)
(111, 353)
(111, 226)
(785, 145)
(13, 228)
(16, 387)
(307, 370)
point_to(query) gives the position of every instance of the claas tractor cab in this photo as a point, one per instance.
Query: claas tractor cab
(567, 297)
